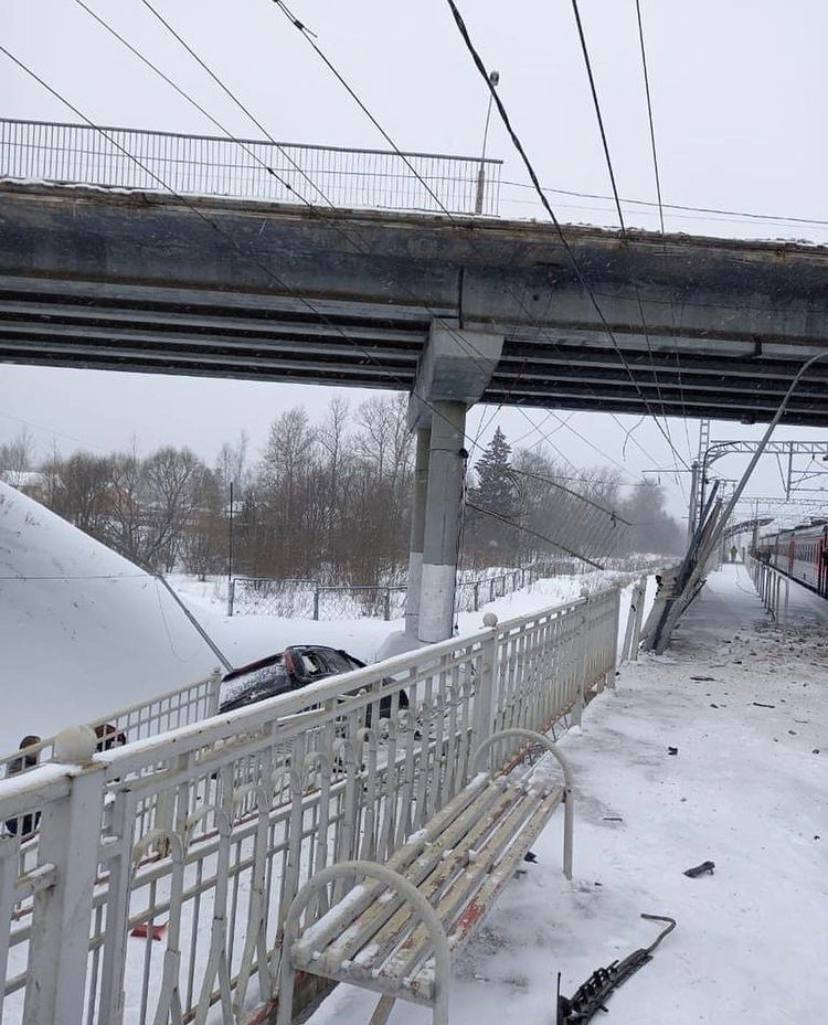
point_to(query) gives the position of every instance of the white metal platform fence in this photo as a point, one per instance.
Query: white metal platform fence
(201, 836)
(257, 169)
(179, 707)
(773, 587)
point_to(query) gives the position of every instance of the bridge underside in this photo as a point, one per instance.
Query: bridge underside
(133, 281)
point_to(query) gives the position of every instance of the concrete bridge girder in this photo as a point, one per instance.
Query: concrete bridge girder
(143, 282)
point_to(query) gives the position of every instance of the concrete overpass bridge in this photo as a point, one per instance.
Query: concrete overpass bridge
(146, 282)
(449, 307)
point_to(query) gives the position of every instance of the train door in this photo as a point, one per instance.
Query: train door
(822, 563)
(791, 555)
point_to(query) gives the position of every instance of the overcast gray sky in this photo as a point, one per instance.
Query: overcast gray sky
(738, 93)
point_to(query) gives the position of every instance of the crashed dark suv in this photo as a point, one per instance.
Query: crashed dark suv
(290, 670)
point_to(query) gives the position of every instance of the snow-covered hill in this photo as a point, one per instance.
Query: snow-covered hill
(83, 631)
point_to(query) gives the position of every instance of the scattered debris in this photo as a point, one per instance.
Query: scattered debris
(613, 818)
(759, 704)
(531, 857)
(672, 750)
(712, 705)
(704, 679)
(698, 870)
(590, 997)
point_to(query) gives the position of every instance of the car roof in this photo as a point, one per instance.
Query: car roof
(263, 663)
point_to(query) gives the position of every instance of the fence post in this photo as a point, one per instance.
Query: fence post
(387, 604)
(639, 616)
(476, 595)
(316, 601)
(214, 692)
(629, 632)
(579, 664)
(231, 596)
(484, 691)
(609, 679)
(70, 830)
(787, 602)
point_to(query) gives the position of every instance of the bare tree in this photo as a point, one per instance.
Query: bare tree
(84, 495)
(17, 456)
(169, 477)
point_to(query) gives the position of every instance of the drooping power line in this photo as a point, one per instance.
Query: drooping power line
(547, 206)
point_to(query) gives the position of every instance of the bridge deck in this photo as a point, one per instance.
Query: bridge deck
(140, 281)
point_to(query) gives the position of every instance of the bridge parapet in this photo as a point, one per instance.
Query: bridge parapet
(251, 169)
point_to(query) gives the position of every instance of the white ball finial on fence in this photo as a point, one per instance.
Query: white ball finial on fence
(75, 745)
(489, 619)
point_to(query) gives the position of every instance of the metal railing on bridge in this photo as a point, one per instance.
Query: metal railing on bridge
(251, 169)
(151, 881)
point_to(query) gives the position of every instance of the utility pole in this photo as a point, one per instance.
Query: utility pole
(704, 445)
(494, 78)
(230, 541)
(694, 491)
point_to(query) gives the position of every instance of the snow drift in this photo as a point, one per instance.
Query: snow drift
(83, 631)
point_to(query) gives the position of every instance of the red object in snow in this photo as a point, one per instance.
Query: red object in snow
(157, 931)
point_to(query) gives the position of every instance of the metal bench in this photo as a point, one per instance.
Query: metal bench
(396, 932)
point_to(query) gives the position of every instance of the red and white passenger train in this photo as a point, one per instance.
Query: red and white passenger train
(801, 552)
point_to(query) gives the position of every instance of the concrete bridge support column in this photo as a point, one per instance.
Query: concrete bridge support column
(454, 371)
(418, 518)
(443, 512)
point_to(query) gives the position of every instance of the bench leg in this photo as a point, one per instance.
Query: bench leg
(578, 707)
(382, 1011)
(284, 1011)
(569, 822)
(394, 881)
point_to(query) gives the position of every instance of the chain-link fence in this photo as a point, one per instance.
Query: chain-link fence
(289, 598)
(311, 599)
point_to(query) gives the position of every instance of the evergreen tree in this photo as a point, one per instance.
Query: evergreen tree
(495, 489)
(488, 541)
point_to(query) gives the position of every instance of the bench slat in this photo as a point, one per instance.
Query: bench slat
(397, 934)
(468, 891)
(332, 925)
(448, 860)
(359, 933)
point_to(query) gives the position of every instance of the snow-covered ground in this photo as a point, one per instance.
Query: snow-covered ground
(243, 638)
(82, 630)
(748, 790)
